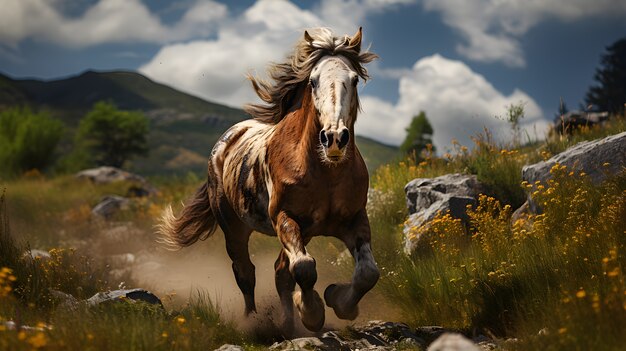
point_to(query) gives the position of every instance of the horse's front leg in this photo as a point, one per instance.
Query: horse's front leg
(344, 298)
(302, 269)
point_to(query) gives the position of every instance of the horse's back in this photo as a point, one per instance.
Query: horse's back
(238, 164)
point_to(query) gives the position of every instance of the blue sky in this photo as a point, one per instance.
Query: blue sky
(462, 62)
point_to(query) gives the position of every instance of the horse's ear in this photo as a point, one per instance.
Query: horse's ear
(308, 37)
(355, 42)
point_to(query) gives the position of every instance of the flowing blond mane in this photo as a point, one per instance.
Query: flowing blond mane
(287, 77)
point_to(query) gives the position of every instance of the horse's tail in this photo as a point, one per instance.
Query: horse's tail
(195, 222)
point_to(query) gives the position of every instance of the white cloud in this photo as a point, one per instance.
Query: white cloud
(265, 32)
(215, 69)
(492, 28)
(458, 103)
(106, 21)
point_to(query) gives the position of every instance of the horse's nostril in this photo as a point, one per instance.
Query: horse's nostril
(323, 138)
(326, 138)
(344, 137)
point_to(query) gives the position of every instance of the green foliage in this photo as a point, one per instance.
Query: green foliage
(610, 93)
(419, 136)
(27, 140)
(561, 271)
(514, 114)
(111, 136)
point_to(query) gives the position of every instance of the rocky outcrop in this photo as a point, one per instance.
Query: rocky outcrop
(110, 205)
(453, 342)
(427, 197)
(598, 159)
(106, 174)
(127, 295)
(570, 121)
(383, 336)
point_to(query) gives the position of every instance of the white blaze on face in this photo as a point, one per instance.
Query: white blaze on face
(333, 83)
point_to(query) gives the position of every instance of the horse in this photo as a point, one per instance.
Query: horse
(293, 171)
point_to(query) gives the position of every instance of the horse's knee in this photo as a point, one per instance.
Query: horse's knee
(304, 273)
(368, 275)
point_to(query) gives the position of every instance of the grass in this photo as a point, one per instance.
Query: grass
(560, 272)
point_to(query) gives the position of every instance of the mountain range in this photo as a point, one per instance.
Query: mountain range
(183, 128)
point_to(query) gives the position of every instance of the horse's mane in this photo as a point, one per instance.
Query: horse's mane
(290, 75)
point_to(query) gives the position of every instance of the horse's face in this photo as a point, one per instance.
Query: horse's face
(333, 87)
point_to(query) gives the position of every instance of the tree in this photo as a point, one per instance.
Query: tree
(28, 140)
(111, 136)
(610, 93)
(418, 135)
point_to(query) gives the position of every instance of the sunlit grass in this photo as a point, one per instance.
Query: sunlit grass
(560, 272)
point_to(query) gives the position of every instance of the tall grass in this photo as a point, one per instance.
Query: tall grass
(560, 272)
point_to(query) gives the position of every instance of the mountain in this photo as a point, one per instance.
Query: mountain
(183, 127)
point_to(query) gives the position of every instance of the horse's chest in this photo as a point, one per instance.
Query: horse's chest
(324, 211)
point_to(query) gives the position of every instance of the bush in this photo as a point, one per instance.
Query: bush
(110, 137)
(27, 140)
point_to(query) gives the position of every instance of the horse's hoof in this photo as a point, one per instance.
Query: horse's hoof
(311, 309)
(332, 294)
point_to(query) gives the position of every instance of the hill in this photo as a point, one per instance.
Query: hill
(183, 127)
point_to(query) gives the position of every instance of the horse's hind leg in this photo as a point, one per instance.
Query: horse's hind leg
(302, 268)
(237, 235)
(285, 285)
(344, 298)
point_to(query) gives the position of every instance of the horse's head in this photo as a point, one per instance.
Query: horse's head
(333, 82)
(332, 67)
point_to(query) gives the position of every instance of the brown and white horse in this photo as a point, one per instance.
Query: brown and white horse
(294, 172)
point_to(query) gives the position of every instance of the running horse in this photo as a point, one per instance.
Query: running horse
(293, 171)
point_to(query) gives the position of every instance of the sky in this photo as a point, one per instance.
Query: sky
(462, 62)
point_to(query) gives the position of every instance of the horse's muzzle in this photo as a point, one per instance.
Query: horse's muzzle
(334, 143)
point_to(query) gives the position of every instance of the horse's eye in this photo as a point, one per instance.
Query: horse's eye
(313, 83)
(355, 81)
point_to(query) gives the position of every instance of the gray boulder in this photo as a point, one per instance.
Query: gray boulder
(426, 197)
(128, 295)
(598, 159)
(109, 205)
(107, 174)
(453, 342)
(229, 347)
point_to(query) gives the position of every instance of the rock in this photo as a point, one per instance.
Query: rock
(310, 343)
(36, 254)
(374, 335)
(128, 295)
(573, 120)
(598, 159)
(427, 197)
(453, 342)
(109, 205)
(66, 301)
(229, 347)
(106, 174)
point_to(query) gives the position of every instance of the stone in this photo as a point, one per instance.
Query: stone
(599, 159)
(427, 197)
(573, 120)
(128, 295)
(107, 174)
(453, 342)
(36, 254)
(310, 343)
(229, 347)
(109, 205)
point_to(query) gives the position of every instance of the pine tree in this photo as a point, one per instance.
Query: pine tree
(610, 93)
(419, 135)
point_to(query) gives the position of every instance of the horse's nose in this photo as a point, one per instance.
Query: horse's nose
(327, 138)
(344, 137)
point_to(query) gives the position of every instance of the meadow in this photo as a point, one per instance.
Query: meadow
(553, 281)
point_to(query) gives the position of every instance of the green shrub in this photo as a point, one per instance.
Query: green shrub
(110, 137)
(27, 140)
